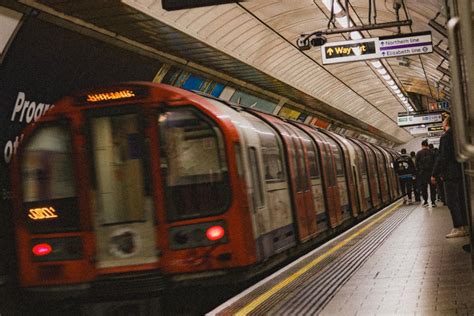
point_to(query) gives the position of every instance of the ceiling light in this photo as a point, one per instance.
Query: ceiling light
(391, 82)
(344, 22)
(356, 35)
(337, 6)
(386, 77)
(400, 95)
(377, 64)
(382, 71)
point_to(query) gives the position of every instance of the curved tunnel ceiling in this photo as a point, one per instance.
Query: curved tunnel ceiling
(262, 34)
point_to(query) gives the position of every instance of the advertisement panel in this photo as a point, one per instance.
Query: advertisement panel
(45, 62)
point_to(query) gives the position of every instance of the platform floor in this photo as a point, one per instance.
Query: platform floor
(404, 265)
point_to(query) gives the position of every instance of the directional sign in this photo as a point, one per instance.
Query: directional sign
(435, 131)
(406, 44)
(350, 51)
(379, 47)
(412, 119)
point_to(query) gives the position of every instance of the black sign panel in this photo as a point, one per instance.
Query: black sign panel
(46, 62)
(171, 5)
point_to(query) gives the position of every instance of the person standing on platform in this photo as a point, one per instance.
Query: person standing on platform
(424, 167)
(415, 181)
(451, 171)
(405, 169)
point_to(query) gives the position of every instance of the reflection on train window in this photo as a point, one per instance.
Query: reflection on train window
(271, 150)
(337, 156)
(118, 169)
(313, 162)
(193, 164)
(47, 165)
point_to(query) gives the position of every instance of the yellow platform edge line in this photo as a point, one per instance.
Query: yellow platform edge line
(263, 297)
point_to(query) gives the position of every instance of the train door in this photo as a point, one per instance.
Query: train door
(364, 186)
(306, 165)
(298, 177)
(329, 178)
(382, 172)
(374, 181)
(347, 156)
(341, 177)
(274, 228)
(316, 182)
(303, 194)
(123, 209)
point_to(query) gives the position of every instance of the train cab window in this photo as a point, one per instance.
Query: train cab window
(193, 164)
(47, 166)
(271, 150)
(48, 182)
(118, 165)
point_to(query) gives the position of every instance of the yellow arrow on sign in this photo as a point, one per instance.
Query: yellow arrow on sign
(329, 51)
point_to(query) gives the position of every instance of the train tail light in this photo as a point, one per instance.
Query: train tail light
(57, 249)
(215, 232)
(198, 235)
(42, 249)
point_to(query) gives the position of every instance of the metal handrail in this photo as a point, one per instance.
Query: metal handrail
(465, 149)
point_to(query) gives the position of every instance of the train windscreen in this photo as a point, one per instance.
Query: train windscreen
(49, 190)
(193, 165)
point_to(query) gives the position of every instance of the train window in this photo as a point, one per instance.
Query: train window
(193, 164)
(271, 150)
(294, 148)
(258, 193)
(47, 165)
(337, 155)
(48, 182)
(313, 159)
(118, 163)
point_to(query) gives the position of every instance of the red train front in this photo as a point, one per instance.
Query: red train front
(136, 181)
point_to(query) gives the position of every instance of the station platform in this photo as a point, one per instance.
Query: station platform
(397, 262)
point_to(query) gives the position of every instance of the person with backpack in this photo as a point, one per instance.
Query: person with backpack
(405, 169)
(424, 167)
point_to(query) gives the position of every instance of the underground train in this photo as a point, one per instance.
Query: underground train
(140, 186)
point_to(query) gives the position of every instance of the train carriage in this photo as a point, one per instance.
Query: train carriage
(137, 181)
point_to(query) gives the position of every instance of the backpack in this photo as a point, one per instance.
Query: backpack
(404, 165)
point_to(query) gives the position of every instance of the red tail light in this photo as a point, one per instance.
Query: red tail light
(215, 232)
(42, 249)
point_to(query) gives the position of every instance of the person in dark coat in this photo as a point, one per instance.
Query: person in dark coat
(451, 171)
(405, 169)
(416, 184)
(424, 167)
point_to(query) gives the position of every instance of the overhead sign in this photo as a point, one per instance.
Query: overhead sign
(435, 131)
(412, 119)
(406, 44)
(379, 47)
(345, 51)
(418, 130)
